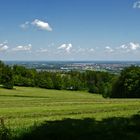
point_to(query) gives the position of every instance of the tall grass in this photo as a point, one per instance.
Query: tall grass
(5, 132)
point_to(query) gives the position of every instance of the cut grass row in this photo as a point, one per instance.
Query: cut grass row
(23, 106)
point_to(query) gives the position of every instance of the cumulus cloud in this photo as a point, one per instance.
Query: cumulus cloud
(3, 46)
(23, 48)
(66, 47)
(136, 4)
(129, 47)
(109, 49)
(41, 25)
(123, 46)
(134, 46)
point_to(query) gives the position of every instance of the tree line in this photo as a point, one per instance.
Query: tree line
(127, 84)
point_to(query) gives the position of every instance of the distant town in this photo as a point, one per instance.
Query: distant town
(108, 66)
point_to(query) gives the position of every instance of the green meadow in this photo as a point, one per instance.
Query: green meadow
(24, 106)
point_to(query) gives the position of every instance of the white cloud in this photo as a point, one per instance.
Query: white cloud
(109, 49)
(41, 25)
(91, 50)
(85, 50)
(23, 48)
(42, 50)
(123, 46)
(81, 49)
(136, 4)
(25, 25)
(3, 46)
(63, 46)
(66, 47)
(38, 24)
(134, 46)
(129, 47)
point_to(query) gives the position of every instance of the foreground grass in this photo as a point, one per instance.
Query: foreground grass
(115, 128)
(22, 107)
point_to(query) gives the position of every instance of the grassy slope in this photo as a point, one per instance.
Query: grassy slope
(24, 106)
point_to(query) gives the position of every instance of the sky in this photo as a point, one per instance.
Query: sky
(70, 30)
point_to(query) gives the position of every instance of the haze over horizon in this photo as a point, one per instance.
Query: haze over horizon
(70, 30)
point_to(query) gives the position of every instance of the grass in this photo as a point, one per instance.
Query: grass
(115, 128)
(23, 107)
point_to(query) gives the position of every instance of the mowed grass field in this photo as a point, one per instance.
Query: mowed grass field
(24, 106)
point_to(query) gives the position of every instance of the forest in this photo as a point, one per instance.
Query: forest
(124, 85)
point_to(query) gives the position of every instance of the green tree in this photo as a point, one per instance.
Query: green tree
(49, 84)
(1, 70)
(128, 83)
(7, 77)
(23, 76)
(57, 81)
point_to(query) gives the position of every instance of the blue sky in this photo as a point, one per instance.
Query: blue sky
(69, 29)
